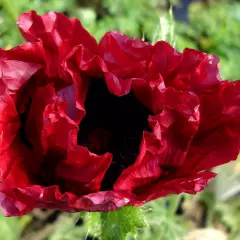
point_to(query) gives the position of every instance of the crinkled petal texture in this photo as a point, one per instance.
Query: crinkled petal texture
(95, 127)
(58, 34)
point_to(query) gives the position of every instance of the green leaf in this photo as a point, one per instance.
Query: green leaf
(116, 225)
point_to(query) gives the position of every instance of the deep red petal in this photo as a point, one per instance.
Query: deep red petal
(83, 171)
(31, 57)
(19, 160)
(58, 35)
(187, 102)
(82, 64)
(54, 29)
(23, 199)
(28, 52)
(14, 75)
(125, 59)
(218, 138)
(121, 52)
(191, 70)
(9, 128)
(54, 119)
(188, 184)
(40, 98)
(164, 60)
(14, 72)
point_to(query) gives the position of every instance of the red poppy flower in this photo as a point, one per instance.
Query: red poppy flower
(95, 127)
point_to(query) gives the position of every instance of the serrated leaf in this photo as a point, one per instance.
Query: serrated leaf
(116, 225)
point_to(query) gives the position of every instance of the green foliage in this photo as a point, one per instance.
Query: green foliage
(117, 225)
(11, 228)
(222, 199)
(67, 230)
(214, 30)
(162, 220)
(11, 9)
(134, 18)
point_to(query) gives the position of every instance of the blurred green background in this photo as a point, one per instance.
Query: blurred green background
(207, 25)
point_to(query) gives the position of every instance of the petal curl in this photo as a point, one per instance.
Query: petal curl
(54, 29)
(125, 59)
(218, 138)
(191, 70)
(22, 200)
(79, 58)
(14, 75)
(14, 71)
(83, 171)
(58, 34)
(188, 184)
(55, 118)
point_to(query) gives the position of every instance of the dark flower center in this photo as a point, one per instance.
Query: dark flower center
(23, 120)
(46, 175)
(113, 124)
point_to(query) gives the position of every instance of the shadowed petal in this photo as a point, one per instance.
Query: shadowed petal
(218, 138)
